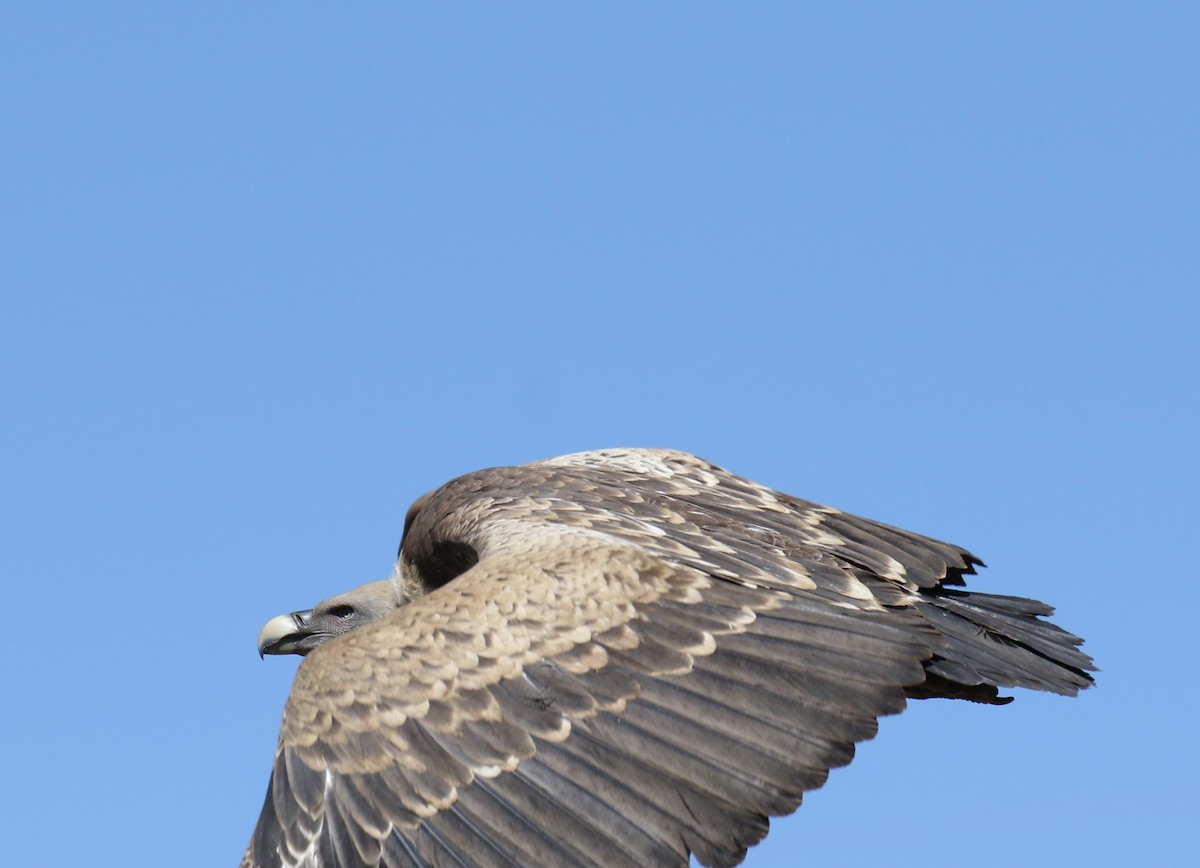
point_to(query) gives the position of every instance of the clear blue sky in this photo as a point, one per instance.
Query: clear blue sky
(272, 270)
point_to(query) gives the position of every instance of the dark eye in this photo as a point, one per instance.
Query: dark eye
(341, 611)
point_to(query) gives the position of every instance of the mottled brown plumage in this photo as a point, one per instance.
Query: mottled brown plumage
(618, 658)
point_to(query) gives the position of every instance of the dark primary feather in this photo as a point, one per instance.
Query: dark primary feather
(621, 657)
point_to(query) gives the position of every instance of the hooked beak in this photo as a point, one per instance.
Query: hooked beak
(290, 634)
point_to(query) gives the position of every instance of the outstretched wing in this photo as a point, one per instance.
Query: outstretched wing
(649, 658)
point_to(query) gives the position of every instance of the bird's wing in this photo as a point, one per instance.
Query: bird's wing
(645, 657)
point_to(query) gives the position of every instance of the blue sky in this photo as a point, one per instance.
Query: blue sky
(270, 271)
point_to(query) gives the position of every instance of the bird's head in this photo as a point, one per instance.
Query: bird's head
(301, 632)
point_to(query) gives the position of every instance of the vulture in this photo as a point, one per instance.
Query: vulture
(624, 657)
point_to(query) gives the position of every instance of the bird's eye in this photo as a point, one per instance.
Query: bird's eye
(341, 611)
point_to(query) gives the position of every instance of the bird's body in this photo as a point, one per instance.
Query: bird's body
(618, 658)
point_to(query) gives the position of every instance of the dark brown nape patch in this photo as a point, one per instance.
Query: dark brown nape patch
(410, 517)
(444, 561)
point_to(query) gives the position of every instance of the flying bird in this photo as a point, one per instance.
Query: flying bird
(618, 658)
